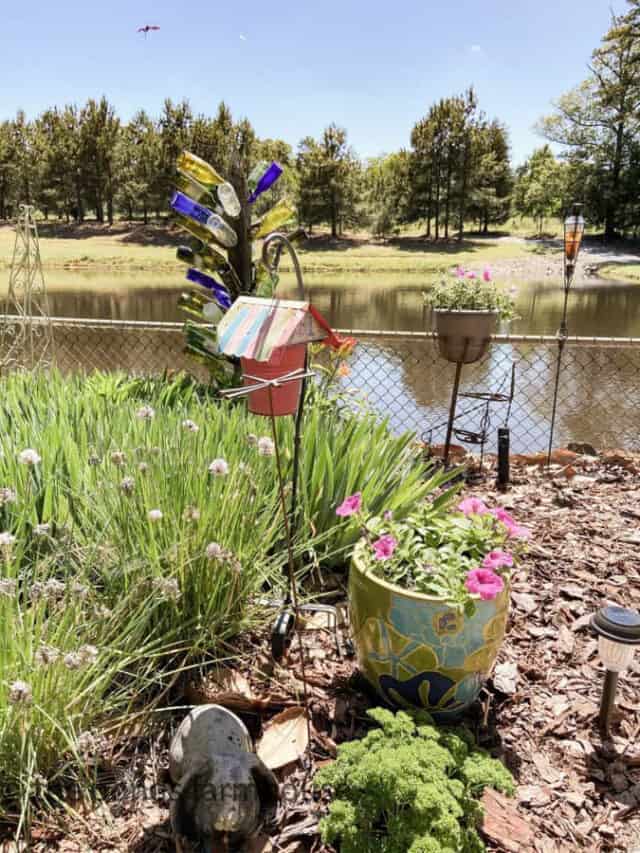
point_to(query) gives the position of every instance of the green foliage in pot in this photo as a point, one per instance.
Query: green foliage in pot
(409, 787)
(456, 554)
(465, 290)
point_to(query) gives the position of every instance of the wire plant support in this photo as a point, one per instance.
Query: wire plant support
(485, 399)
(26, 335)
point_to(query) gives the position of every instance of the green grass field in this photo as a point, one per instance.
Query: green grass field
(153, 250)
(621, 272)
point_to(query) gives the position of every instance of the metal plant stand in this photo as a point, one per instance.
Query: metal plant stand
(26, 342)
(485, 399)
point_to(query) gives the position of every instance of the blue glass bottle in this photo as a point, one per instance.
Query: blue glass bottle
(220, 292)
(223, 232)
(266, 181)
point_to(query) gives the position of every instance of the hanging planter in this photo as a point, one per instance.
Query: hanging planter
(466, 307)
(284, 398)
(270, 337)
(464, 336)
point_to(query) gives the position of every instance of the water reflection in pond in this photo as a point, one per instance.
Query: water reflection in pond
(600, 391)
(376, 301)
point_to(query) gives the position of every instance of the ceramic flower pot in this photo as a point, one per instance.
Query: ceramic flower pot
(417, 651)
(464, 336)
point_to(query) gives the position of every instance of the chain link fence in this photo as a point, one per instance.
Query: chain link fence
(400, 376)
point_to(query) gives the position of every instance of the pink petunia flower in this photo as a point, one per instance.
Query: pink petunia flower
(473, 506)
(471, 274)
(486, 275)
(485, 583)
(384, 547)
(497, 560)
(514, 530)
(519, 532)
(350, 505)
(459, 272)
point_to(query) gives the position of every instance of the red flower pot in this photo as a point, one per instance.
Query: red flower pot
(284, 397)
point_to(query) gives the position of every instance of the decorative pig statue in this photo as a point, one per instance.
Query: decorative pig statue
(224, 792)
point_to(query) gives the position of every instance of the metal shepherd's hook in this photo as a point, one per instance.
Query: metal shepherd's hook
(277, 242)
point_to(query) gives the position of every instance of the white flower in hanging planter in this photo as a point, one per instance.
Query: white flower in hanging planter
(154, 515)
(29, 457)
(219, 468)
(190, 426)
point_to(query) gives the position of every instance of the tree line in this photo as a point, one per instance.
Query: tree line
(85, 162)
(79, 162)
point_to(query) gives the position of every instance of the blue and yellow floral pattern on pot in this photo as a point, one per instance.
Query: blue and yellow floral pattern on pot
(419, 652)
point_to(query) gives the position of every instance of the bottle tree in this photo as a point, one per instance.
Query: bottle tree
(216, 210)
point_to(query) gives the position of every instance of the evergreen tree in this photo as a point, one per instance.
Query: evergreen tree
(540, 187)
(599, 120)
(329, 177)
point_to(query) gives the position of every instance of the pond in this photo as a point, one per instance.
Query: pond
(376, 301)
(408, 382)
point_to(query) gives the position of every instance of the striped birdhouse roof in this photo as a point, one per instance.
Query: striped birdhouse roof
(254, 328)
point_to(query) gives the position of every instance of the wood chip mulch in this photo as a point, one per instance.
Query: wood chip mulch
(576, 790)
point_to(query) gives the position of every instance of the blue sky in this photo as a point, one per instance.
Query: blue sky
(294, 66)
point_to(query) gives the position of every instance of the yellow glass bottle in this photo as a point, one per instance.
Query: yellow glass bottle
(194, 228)
(198, 170)
(205, 259)
(193, 189)
(279, 215)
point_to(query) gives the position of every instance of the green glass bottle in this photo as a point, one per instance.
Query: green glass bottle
(279, 215)
(265, 281)
(207, 258)
(205, 310)
(193, 189)
(256, 173)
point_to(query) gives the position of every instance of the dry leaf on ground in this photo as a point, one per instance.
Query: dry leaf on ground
(285, 739)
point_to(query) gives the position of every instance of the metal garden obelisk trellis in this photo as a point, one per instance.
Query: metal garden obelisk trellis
(26, 336)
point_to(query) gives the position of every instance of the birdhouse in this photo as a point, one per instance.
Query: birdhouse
(270, 338)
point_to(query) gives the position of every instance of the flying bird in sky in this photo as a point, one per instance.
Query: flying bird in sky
(147, 29)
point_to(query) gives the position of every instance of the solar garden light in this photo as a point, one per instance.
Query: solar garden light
(618, 631)
(573, 233)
